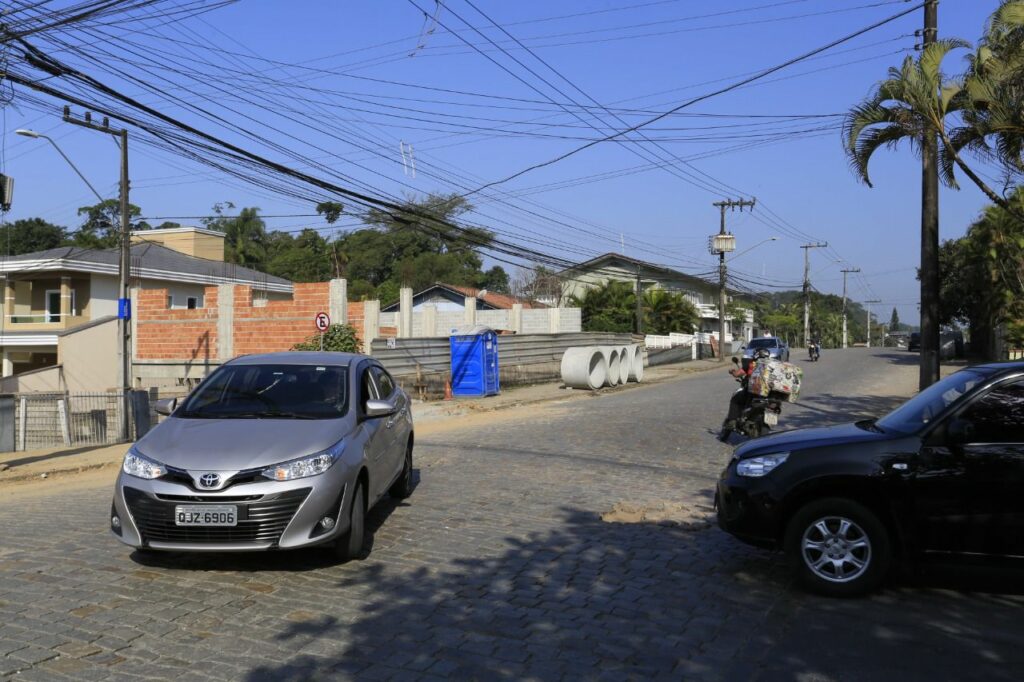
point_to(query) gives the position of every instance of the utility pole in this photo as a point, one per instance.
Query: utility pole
(807, 288)
(721, 244)
(639, 304)
(929, 372)
(124, 311)
(868, 304)
(845, 272)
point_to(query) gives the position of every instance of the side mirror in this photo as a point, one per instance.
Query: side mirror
(166, 406)
(743, 347)
(959, 431)
(735, 361)
(379, 408)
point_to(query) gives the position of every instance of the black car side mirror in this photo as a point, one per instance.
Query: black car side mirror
(959, 431)
(735, 361)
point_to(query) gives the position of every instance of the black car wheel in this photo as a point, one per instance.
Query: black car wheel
(402, 487)
(350, 545)
(838, 547)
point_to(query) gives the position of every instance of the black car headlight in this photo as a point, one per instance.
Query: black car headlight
(762, 465)
(311, 465)
(138, 465)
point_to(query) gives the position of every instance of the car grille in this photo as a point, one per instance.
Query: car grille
(261, 521)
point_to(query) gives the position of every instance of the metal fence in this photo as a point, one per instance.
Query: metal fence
(48, 420)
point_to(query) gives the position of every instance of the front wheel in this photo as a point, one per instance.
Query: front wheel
(402, 487)
(838, 547)
(350, 545)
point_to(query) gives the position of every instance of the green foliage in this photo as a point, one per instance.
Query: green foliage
(101, 228)
(339, 338)
(330, 210)
(894, 321)
(782, 314)
(29, 235)
(611, 307)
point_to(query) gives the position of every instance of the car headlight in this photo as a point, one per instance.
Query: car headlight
(138, 465)
(760, 466)
(312, 465)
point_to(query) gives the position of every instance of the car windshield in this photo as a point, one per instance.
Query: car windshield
(929, 403)
(763, 343)
(270, 392)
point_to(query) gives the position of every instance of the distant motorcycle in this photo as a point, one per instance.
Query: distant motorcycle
(749, 414)
(813, 352)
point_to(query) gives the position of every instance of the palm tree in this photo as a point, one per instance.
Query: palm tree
(666, 312)
(608, 307)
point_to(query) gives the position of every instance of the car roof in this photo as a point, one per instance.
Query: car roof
(999, 367)
(300, 358)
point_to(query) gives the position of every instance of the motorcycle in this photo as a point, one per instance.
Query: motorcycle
(813, 352)
(757, 414)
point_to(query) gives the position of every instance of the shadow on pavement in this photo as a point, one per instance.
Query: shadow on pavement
(638, 601)
(827, 409)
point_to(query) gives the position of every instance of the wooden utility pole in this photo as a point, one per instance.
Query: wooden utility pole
(721, 246)
(807, 288)
(124, 312)
(845, 272)
(929, 274)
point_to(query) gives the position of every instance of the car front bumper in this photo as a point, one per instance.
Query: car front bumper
(270, 514)
(747, 509)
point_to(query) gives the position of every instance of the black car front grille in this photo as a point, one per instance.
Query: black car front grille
(183, 477)
(258, 521)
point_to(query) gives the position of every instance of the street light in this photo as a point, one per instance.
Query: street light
(24, 132)
(763, 241)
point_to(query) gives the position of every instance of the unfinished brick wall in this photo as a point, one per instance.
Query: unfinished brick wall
(163, 334)
(257, 326)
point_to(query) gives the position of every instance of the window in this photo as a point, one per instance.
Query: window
(998, 416)
(170, 302)
(270, 392)
(53, 305)
(367, 388)
(384, 382)
(192, 302)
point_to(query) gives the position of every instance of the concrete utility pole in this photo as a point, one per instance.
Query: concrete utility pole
(929, 372)
(124, 312)
(807, 288)
(722, 244)
(845, 272)
(868, 304)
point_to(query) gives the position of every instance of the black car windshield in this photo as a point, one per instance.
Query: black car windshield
(929, 403)
(270, 392)
(763, 343)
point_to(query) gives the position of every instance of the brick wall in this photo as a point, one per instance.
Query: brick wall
(277, 325)
(163, 334)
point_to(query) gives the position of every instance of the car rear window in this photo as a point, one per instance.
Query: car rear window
(763, 343)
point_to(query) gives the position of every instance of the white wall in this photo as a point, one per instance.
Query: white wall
(102, 296)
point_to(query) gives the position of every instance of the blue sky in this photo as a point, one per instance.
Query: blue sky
(380, 77)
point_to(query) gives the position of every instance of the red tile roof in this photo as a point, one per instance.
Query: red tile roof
(500, 301)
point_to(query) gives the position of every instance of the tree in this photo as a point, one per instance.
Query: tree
(101, 228)
(666, 312)
(609, 307)
(894, 320)
(29, 235)
(494, 280)
(330, 210)
(245, 235)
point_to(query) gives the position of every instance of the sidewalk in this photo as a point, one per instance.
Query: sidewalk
(43, 465)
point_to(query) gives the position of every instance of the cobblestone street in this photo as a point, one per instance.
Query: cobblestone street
(500, 567)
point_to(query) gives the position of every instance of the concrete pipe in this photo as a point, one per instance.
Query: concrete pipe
(625, 364)
(612, 359)
(584, 367)
(636, 365)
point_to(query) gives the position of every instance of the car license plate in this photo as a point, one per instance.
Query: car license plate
(771, 419)
(206, 515)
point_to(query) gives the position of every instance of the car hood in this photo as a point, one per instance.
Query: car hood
(238, 444)
(803, 439)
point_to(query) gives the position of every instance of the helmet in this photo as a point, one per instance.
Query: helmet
(761, 354)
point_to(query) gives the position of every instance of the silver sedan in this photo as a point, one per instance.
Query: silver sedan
(275, 451)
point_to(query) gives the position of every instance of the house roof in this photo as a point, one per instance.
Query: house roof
(604, 259)
(149, 261)
(489, 299)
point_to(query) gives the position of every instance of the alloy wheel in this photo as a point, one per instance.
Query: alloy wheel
(836, 549)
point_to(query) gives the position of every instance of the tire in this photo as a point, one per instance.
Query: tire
(402, 487)
(851, 534)
(350, 545)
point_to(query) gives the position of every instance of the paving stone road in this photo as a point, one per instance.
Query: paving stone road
(501, 567)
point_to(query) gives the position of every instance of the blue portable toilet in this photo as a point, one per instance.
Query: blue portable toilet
(474, 352)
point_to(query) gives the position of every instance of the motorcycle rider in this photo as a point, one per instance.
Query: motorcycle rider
(739, 400)
(814, 349)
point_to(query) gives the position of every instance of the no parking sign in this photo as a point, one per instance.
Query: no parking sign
(323, 323)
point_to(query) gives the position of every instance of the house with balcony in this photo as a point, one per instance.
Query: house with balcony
(702, 293)
(50, 295)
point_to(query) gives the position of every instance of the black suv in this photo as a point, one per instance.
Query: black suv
(943, 474)
(914, 342)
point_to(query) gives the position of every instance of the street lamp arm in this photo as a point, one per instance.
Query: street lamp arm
(33, 134)
(763, 241)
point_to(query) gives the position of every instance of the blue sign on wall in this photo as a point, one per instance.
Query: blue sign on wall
(124, 308)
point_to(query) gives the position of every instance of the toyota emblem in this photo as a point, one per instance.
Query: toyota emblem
(209, 480)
